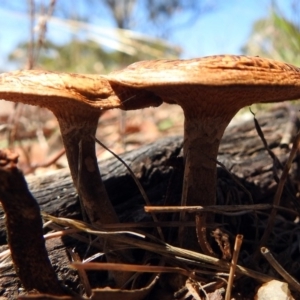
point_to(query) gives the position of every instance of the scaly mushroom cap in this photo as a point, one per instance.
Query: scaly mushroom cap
(210, 70)
(226, 82)
(62, 91)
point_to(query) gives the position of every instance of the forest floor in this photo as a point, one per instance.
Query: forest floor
(34, 135)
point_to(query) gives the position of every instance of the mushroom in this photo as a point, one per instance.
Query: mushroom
(77, 101)
(210, 91)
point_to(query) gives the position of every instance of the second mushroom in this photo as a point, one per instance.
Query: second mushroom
(210, 91)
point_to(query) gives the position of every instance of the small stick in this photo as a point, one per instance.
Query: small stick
(274, 263)
(217, 209)
(81, 272)
(236, 251)
(200, 220)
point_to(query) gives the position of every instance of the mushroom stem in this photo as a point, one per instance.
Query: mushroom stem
(77, 132)
(81, 155)
(201, 146)
(202, 136)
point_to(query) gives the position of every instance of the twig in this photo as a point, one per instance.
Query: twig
(236, 251)
(200, 220)
(217, 209)
(30, 62)
(81, 272)
(183, 200)
(34, 48)
(47, 163)
(293, 283)
(43, 27)
(262, 137)
(137, 182)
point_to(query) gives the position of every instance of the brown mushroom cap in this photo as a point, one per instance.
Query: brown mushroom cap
(226, 81)
(211, 70)
(62, 91)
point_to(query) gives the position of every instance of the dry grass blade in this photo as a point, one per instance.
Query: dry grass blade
(263, 139)
(132, 225)
(122, 40)
(141, 189)
(132, 268)
(74, 233)
(56, 234)
(158, 247)
(82, 226)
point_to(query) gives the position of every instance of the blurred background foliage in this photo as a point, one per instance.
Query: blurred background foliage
(142, 30)
(276, 36)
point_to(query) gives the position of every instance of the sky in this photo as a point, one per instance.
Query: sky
(222, 31)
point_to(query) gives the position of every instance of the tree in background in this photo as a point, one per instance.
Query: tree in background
(142, 30)
(157, 18)
(276, 36)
